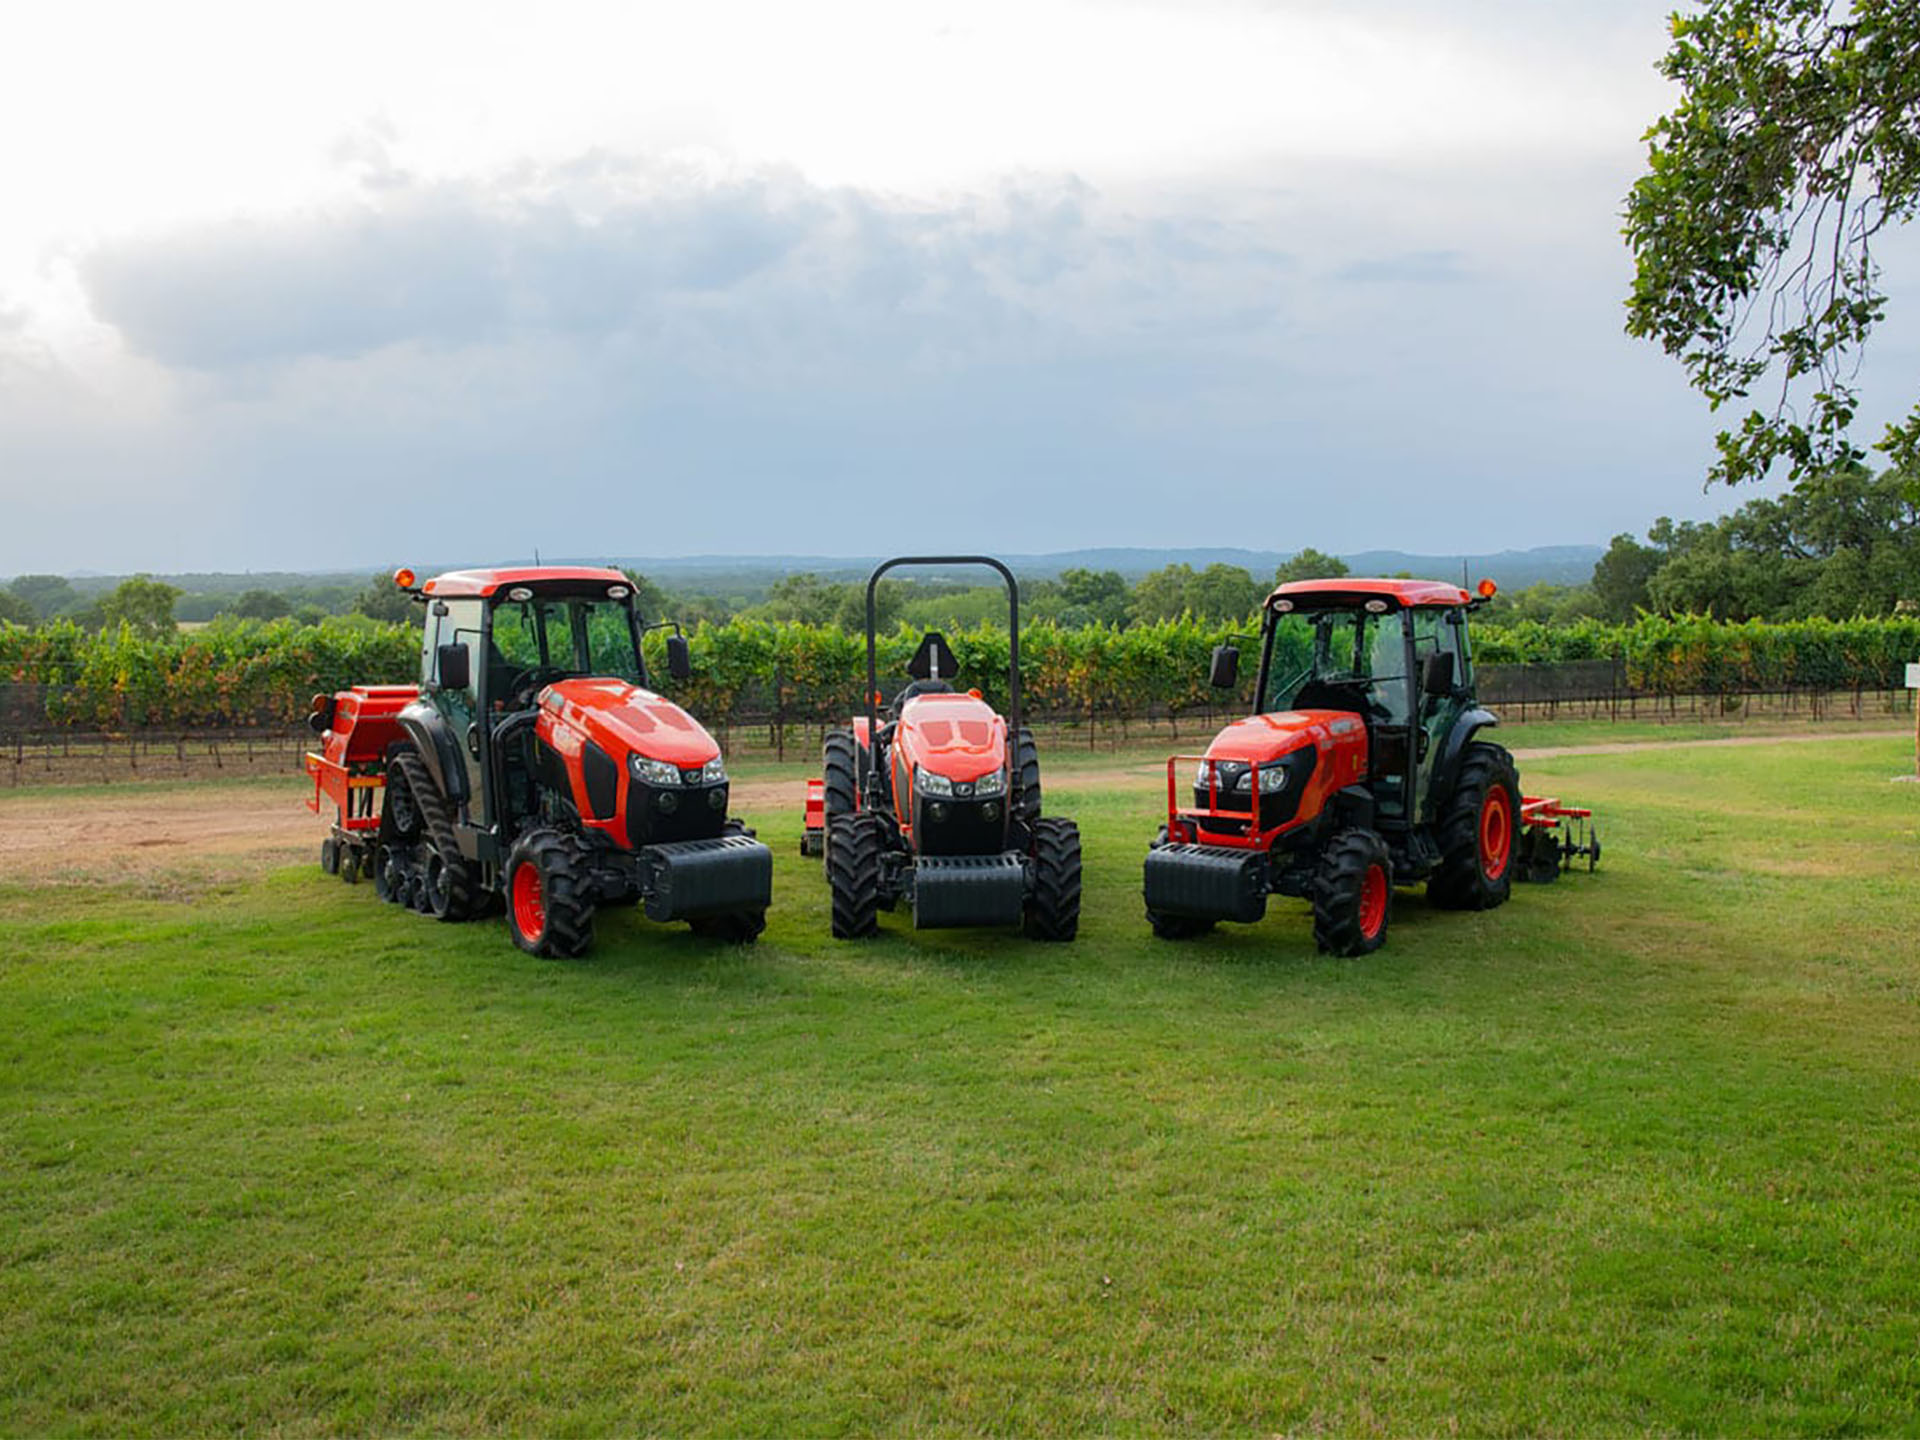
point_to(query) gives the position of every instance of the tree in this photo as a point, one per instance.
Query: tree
(261, 605)
(649, 599)
(1310, 564)
(142, 602)
(1620, 577)
(1796, 141)
(49, 595)
(383, 600)
(1089, 596)
(14, 610)
(1220, 592)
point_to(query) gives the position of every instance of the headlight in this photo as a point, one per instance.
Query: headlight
(1237, 777)
(654, 772)
(928, 783)
(714, 772)
(994, 784)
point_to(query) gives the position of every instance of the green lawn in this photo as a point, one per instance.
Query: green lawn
(1636, 1152)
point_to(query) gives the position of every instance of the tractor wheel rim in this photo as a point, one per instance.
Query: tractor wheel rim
(1496, 834)
(529, 902)
(1373, 902)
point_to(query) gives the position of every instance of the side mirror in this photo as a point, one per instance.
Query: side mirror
(1224, 673)
(679, 658)
(1436, 674)
(454, 667)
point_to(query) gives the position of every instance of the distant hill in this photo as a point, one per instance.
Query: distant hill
(723, 574)
(1510, 569)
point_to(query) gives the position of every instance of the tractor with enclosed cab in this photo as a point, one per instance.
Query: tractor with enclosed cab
(933, 798)
(533, 767)
(1366, 765)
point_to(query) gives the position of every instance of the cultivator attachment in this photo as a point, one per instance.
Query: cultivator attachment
(1554, 837)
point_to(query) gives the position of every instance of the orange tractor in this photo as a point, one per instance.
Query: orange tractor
(1365, 766)
(533, 767)
(936, 801)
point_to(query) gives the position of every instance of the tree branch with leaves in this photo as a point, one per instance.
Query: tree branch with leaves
(1795, 144)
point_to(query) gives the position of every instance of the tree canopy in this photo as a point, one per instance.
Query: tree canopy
(141, 602)
(1795, 143)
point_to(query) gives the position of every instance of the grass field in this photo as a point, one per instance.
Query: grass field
(1636, 1152)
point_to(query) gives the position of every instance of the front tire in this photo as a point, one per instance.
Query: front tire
(549, 910)
(1053, 909)
(853, 873)
(1479, 833)
(1353, 894)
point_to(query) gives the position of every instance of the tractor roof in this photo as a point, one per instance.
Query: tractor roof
(463, 583)
(1406, 593)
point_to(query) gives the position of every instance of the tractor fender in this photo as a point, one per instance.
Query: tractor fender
(427, 728)
(1446, 765)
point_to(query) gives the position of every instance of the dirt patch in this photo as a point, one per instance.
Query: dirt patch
(228, 831)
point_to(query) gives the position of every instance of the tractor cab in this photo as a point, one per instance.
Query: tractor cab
(1392, 653)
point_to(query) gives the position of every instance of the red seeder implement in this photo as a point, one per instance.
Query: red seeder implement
(355, 728)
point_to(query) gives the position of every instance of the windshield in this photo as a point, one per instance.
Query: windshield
(563, 637)
(1336, 659)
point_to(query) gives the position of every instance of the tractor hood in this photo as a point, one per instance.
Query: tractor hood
(623, 720)
(958, 736)
(1263, 738)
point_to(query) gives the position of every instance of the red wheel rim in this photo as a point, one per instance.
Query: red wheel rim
(529, 902)
(1496, 833)
(1373, 901)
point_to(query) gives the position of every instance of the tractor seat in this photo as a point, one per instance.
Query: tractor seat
(916, 688)
(1333, 695)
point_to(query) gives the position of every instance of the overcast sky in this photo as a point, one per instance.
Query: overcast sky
(316, 287)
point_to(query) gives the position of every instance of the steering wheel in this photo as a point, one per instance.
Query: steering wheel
(526, 683)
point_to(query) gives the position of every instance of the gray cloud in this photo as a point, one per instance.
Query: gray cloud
(762, 272)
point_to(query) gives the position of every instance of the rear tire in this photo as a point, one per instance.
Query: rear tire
(853, 873)
(1353, 894)
(329, 856)
(1479, 833)
(549, 910)
(447, 881)
(1025, 804)
(1053, 909)
(839, 767)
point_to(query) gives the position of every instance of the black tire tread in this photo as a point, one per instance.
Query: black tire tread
(1336, 893)
(1457, 883)
(568, 902)
(853, 873)
(1053, 909)
(840, 770)
(1025, 779)
(436, 823)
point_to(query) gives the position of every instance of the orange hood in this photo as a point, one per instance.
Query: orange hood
(624, 720)
(957, 736)
(1264, 738)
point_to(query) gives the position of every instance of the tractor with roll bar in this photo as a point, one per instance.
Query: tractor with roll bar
(1365, 765)
(933, 798)
(533, 768)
